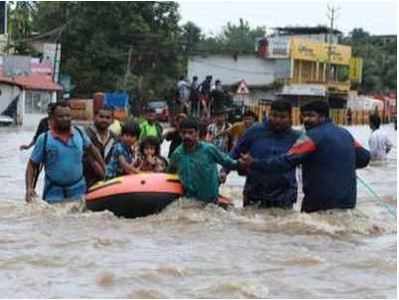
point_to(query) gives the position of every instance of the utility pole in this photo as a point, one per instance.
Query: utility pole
(129, 62)
(331, 15)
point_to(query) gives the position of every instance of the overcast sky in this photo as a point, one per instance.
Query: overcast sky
(376, 17)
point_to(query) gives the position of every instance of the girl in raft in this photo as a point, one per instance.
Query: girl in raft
(124, 159)
(150, 159)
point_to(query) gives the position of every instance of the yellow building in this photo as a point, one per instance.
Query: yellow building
(310, 61)
(317, 68)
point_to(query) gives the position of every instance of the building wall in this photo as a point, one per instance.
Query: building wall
(7, 94)
(254, 70)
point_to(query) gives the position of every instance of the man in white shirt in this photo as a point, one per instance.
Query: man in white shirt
(183, 88)
(379, 143)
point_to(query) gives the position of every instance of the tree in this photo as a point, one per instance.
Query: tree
(114, 45)
(379, 60)
(234, 39)
(19, 25)
(191, 36)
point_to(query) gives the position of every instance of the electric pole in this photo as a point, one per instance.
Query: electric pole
(129, 62)
(331, 15)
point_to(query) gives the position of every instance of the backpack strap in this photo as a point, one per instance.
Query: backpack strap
(50, 180)
(80, 133)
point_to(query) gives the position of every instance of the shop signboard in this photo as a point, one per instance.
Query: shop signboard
(314, 51)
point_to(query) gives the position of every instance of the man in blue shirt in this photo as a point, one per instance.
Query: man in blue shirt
(61, 151)
(329, 156)
(273, 137)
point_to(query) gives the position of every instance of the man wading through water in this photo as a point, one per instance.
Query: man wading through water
(103, 139)
(329, 156)
(61, 151)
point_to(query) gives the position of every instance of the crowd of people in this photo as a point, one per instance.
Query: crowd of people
(267, 153)
(200, 99)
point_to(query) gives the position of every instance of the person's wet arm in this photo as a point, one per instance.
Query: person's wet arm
(223, 159)
(302, 148)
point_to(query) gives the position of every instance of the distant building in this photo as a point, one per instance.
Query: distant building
(28, 90)
(317, 68)
(258, 74)
(294, 63)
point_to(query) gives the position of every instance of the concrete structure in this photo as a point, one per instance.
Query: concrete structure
(318, 69)
(29, 94)
(296, 63)
(258, 73)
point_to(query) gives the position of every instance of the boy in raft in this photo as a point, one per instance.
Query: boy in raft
(124, 158)
(196, 164)
(151, 159)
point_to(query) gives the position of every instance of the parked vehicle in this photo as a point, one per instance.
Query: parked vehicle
(161, 109)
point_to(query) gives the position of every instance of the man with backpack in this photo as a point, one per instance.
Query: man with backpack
(61, 151)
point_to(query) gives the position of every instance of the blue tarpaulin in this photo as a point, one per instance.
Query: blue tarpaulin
(116, 100)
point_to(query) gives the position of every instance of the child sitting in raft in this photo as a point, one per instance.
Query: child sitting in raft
(150, 159)
(124, 158)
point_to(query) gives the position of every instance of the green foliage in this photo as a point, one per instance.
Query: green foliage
(234, 39)
(379, 60)
(20, 25)
(97, 38)
(191, 36)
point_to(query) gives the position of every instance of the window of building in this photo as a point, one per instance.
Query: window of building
(37, 101)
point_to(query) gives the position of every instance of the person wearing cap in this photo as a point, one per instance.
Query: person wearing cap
(329, 156)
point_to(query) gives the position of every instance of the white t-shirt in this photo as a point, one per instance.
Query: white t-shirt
(379, 145)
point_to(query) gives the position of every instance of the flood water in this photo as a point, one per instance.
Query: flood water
(188, 251)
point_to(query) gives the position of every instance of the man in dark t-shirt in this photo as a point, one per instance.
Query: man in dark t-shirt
(42, 127)
(174, 135)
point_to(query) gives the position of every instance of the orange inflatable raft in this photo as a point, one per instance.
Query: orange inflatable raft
(137, 195)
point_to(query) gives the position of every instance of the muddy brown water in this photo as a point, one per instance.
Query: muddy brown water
(189, 251)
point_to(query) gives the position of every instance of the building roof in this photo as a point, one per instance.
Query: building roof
(38, 82)
(33, 82)
(288, 30)
(10, 81)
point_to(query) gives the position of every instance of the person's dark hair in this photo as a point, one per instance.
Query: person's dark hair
(321, 107)
(203, 129)
(375, 120)
(250, 113)
(217, 81)
(195, 78)
(181, 78)
(150, 141)
(58, 104)
(105, 107)
(281, 106)
(189, 123)
(131, 128)
(149, 110)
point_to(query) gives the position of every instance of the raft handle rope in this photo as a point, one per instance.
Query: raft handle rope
(379, 199)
